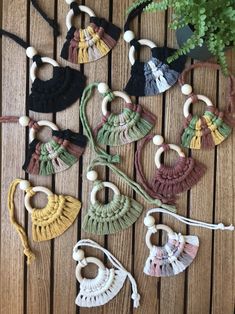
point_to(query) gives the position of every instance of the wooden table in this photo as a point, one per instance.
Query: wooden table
(49, 284)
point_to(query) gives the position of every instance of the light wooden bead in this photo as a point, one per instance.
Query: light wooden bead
(92, 175)
(103, 88)
(24, 185)
(24, 121)
(79, 255)
(128, 36)
(158, 140)
(69, 1)
(149, 221)
(31, 52)
(186, 89)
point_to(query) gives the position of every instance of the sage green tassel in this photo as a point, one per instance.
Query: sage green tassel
(222, 127)
(113, 217)
(189, 132)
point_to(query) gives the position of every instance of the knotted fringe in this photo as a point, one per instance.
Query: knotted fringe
(21, 231)
(92, 43)
(53, 220)
(205, 132)
(173, 258)
(129, 126)
(55, 156)
(102, 289)
(155, 76)
(170, 181)
(113, 217)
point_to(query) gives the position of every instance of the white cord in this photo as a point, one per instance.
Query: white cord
(87, 242)
(192, 222)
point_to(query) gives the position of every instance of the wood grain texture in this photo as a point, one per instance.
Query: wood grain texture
(49, 284)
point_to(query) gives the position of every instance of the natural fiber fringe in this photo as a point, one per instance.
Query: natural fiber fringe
(105, 287)
(205, 132)
(122, 129)
(160, 264)
(55, 218)
(113, 217)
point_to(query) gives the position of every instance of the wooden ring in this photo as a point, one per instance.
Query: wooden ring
(106, 185)
(70, 15)
(91, 260)
(161, 150)
(150, 232)
(33, 69)
(106, 99)
(32, 131)
(142, 42)
(188, 102)
(28, 196)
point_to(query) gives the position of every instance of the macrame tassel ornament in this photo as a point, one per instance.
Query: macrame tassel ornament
(113, 217)
(169, 181)
(117, 129)
(156, 75)
(178, 252)
(56, 155)
(48, 222)
(108, 282)
(93, 42)
(214, 126)
(57, 93)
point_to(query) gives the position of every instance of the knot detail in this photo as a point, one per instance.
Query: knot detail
(221, 226)
(134, 42)
(37, 58)
(83, 263)
(75, 7)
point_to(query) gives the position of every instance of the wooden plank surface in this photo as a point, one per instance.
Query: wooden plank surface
(49, 284)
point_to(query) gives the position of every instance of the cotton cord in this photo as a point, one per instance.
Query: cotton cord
(87, 242)
(134, 185)
(192, 222)
(21, 231)
(88, 91)
(51, 22)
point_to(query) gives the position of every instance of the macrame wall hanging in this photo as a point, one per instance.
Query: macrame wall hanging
(108, 282)
(156, 75)
(169, 180)
(215, 125)
(179, 251)
(116, 129)
(48, 222)
(122, 211)
(91, 43)
(55, 94)
(56, 155)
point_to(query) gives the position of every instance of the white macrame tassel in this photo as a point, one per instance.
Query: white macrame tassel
(192, 222)
(87, 242)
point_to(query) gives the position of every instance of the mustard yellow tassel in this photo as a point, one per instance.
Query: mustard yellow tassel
(21, 231)
(196, 140)
(82, 48)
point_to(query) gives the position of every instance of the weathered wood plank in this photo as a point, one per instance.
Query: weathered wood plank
(39, 273)
(13, 137)
(148, 285)
(223, 255)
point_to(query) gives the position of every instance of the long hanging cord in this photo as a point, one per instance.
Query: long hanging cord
(14, 37)
(192, 222)
(134, 185)
(135, 12)
(84, 101)
(21, 231)
(87, 242)
(51, 22)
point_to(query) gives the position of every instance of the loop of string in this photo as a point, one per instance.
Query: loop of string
(192, 222)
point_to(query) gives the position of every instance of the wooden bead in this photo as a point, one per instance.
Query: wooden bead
(103, 88)
(79, 255)
(149, 221)
(128, 36)
(24, 185)
(24, 121)
(186, 89)
(92, 175)
(69, 1)
(158, 140)
(31, 52)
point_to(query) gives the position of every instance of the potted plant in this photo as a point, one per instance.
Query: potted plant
(204, 28)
